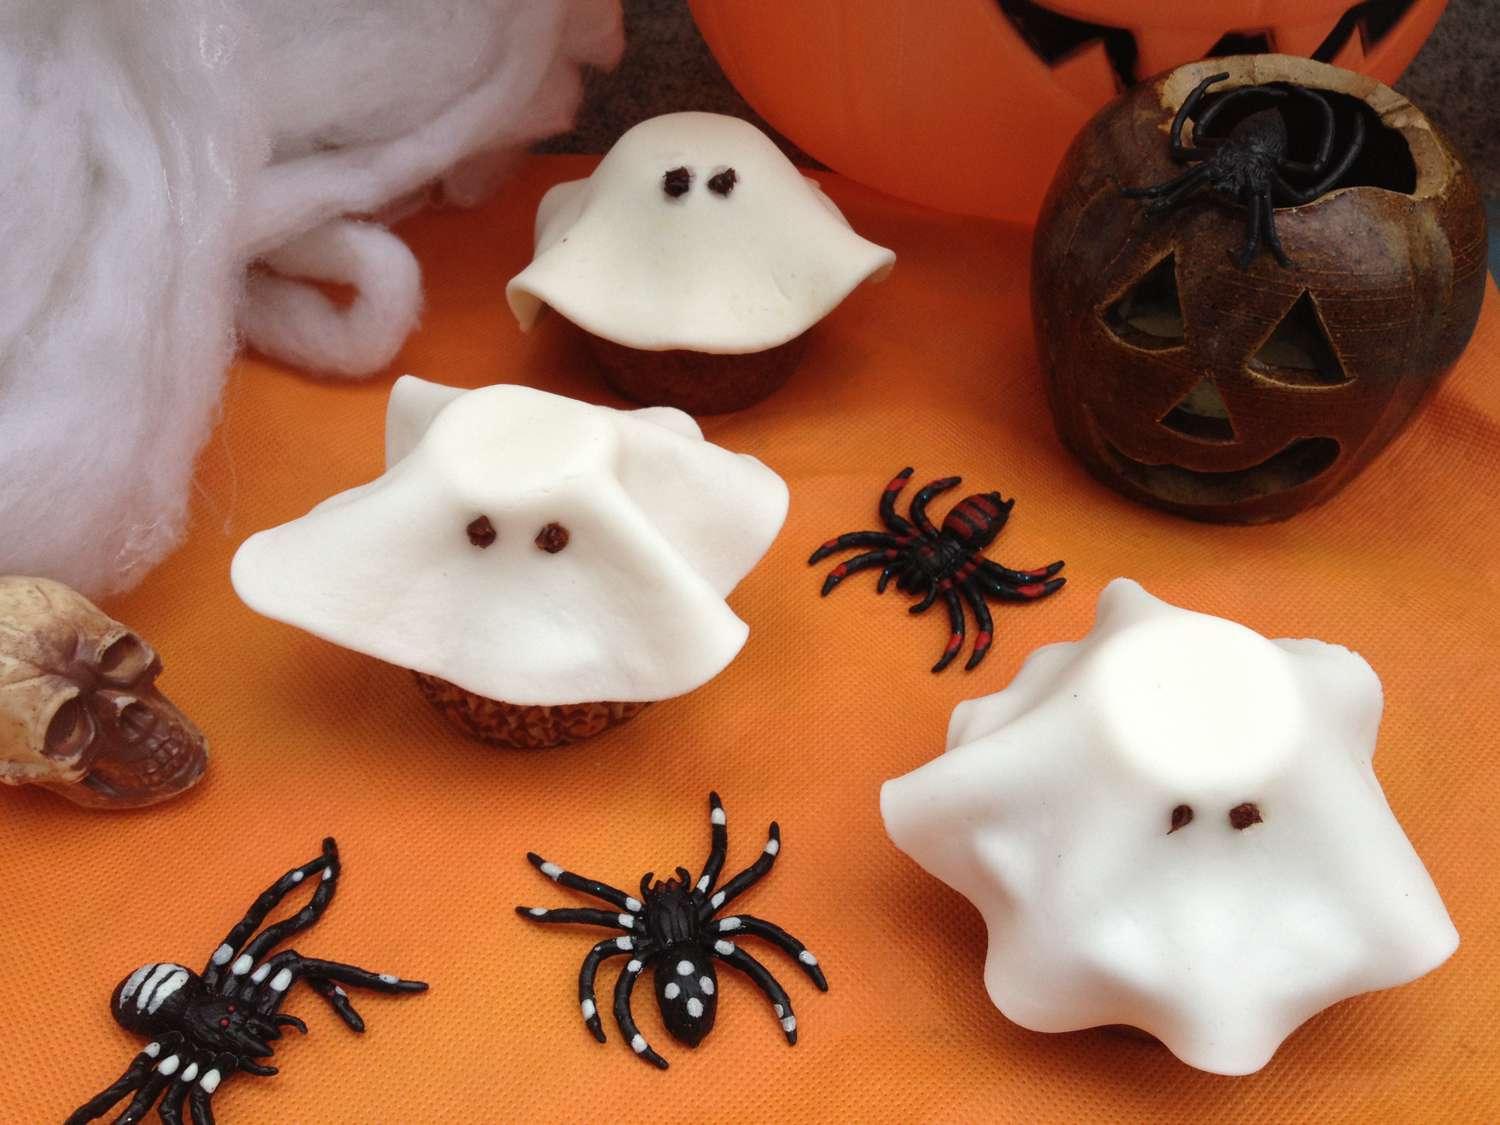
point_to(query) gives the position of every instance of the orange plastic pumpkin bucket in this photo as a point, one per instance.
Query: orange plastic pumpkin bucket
(968, 105)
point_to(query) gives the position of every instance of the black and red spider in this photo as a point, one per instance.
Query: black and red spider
(1249, 166)
(946, 562)
(673, 926)
(204, 1027)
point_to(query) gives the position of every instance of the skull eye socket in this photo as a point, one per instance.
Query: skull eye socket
(71, 729)
(126, 660)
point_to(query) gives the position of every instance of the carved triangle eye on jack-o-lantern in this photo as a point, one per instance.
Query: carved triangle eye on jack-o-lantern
(1225, 386)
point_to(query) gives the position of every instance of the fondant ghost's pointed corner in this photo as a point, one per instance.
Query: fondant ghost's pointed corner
(722, 271)
(413, 404)
(680, 422)
(1124, 601)
(1173, 824)
(529, 548)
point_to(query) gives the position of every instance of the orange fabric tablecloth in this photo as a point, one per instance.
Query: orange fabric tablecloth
(935, 368)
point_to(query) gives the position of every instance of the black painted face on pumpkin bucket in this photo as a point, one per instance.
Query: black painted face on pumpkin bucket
(1126, 35)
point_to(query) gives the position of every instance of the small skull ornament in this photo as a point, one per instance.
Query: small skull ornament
(80, 713)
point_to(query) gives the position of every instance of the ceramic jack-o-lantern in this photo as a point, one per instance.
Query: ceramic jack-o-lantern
(80, 712)
(1235, 360)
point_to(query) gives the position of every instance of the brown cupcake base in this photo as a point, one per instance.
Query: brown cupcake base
(698, 382)
(522, 727)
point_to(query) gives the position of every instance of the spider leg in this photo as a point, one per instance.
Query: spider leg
(174, 1101)
(924, 497)
(272, 936)
(986, 635)
(746, 878)
(855, 565)
(1273, 240)
(134, 1077)
(888, 513)
(586, 976)
(178, 1071)
(144, 1099)
(1185, 110)
(1000, 589)
(626, 1021)
(885, 579)
(1252, 238)
(1319, 164)
(200, 1101)
(354, 975)
(1155, 190)
(956, 630)
(1203, 122)
(1178, 189)
(582, 917)
(927, 599)
(1342, 166)
(854, 539)
(718, 828)
(759, 927)
(781, 1003)
(1019, 577)
(284, 969)
(337, 999)
(260, 908)
(611, 895)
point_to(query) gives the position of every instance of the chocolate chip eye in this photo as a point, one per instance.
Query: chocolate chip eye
(1182, 816)
(481, 532)
(676, 182)
(1243, 816)
(552, 538)
(722, 183)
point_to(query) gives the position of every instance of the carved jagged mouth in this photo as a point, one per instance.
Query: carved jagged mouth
(1299, 462)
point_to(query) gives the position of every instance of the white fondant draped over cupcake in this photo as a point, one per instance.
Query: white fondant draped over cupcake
(711, 272)
(661, 526)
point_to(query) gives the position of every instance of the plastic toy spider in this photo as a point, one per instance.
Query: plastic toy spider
(942, 562)
(205, 1027)
(1249, 166)
(673, 926)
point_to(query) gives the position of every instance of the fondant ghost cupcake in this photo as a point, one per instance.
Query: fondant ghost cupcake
(546, 567)
(1174, 824)
(696, 258)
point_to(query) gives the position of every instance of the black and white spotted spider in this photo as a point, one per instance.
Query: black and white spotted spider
(206, 1026)
(673, 926)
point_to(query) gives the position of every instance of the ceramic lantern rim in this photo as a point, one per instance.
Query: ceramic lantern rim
(1435, 168)
(1381, 293)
